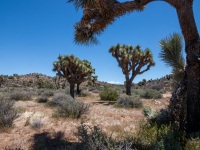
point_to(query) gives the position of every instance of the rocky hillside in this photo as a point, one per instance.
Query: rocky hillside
(27, 80)
(38, 80)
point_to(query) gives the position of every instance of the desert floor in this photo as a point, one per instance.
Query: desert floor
(102, 113)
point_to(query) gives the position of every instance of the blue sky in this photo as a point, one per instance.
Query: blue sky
(34, 32)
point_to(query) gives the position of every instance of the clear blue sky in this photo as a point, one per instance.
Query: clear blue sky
(34, 32)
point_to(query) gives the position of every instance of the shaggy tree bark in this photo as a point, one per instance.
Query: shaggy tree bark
(128, 87)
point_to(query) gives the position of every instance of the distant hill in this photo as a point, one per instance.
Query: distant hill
(39, 80)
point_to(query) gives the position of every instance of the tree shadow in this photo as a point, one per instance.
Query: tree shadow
(55, 141)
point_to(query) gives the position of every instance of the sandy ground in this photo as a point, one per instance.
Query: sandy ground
(102, 113)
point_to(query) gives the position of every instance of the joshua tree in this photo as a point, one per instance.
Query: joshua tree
(172, 54)
(74, 70)
(92, 80)
(132, 60)
(98, 14)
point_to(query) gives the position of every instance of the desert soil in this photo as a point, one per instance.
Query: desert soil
(102, 113)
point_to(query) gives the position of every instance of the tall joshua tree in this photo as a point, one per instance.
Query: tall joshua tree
(132, 60)
(98, 14)
(74, 70)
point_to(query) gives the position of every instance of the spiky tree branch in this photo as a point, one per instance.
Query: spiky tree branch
(97, 14)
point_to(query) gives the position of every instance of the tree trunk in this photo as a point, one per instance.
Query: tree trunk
(177, 106)
(193, 87)
(128, 87)
(192, 42)
(78, 91)
(72, 85)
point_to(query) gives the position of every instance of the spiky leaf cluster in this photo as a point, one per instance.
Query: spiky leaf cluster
(132, 59)
(97, 14)
(172, 54)
(73, 69)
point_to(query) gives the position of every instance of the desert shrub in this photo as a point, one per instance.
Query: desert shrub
(150, 93)
(22, 95)
(59, 99)
(47, 93)
(4, 89)
(95, 88)
(157, 87)
(192, 144)
(93, 138)
(95, 91)
(45, 84)
(42, 99)
(67, 106)
(108, 93)
(39, 91)
(161, 117)
(162, 91)
(149, 112)
(72, 109)
(36, 123)
(137, 91)
(67, 90)
(83, 94)
(129, 102)
(156, 137)
(7, 112)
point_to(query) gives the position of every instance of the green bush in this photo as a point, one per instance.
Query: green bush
(156, 137)
(150, 93)
(7, 112)
(129, 102)
(108, 93)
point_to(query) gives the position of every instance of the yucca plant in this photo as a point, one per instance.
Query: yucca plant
(74, 70)
(133, 61)
(172, 54)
